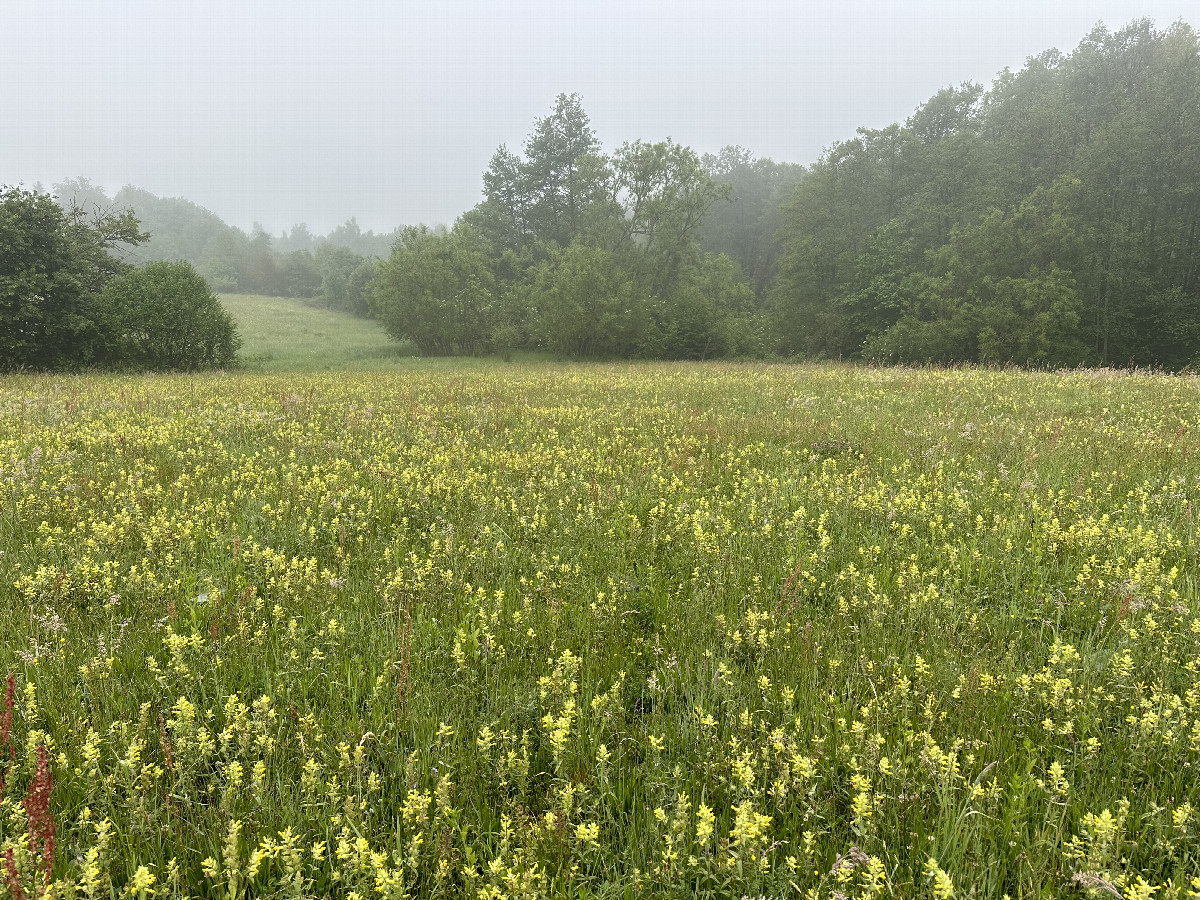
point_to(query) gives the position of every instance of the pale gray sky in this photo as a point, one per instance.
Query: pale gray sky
(285, 111)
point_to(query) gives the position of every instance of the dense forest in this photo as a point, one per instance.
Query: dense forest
(1052, 219)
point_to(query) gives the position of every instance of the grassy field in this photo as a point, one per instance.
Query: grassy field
(282, 334)
(609, 631)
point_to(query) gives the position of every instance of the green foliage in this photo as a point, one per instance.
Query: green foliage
(182, 230)
(745, 224)
(1050, 220)
(588, 306)
(351, 235)
(344, 278)
(437, 291)
(710, 314)
(506, 337)
(66, 301)
(597, 256)
(299, 275)
(37, 289)
(548, 196)
(220, 273)
(227, 257)
(52, 266)
(166, 317)
(563, 173)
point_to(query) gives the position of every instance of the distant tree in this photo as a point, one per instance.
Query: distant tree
(228, 258)
(564, 172)
(745, 224)
(949, 111)
(996, 292)
(344, 277)
(553, 219)
(221, 273)
(298, 275)
(663, 194)
(826, 224)
(83, 194)
(181, 230)
(347, 234)
(102, 239)
(260, 266)
(503, 216)
(299, 238)
(166, 317)
(358, 286)
(547, 196)
(364, 243)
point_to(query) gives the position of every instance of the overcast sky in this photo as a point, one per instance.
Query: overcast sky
(296, 111)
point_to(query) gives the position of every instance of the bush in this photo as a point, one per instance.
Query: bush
(53, 263)
(165, 316)
(436, 290)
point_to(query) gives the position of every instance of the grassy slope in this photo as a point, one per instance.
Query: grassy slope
(281, 334)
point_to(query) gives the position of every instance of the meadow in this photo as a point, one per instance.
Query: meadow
(509, 631)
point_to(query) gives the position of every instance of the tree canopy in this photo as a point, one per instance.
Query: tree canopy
(53, 265)
(1053, 219)
(573, 250)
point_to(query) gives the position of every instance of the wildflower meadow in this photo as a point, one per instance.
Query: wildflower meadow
(495, 631)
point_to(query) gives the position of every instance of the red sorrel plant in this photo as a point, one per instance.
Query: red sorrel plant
(11, 877)
(6, 718)
(37, 809)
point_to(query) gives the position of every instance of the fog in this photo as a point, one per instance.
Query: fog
(286, 112)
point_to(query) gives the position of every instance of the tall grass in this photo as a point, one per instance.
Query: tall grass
(604, 631)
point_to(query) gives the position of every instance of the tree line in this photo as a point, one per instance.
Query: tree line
(332, 269)
(586, 254)
(1053, 219)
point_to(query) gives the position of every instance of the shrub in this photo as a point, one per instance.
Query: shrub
(165, 316)
(436, 290)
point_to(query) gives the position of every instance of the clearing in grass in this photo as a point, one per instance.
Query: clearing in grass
(283, 334)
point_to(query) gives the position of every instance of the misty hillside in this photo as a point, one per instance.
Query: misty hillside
(296, 263)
